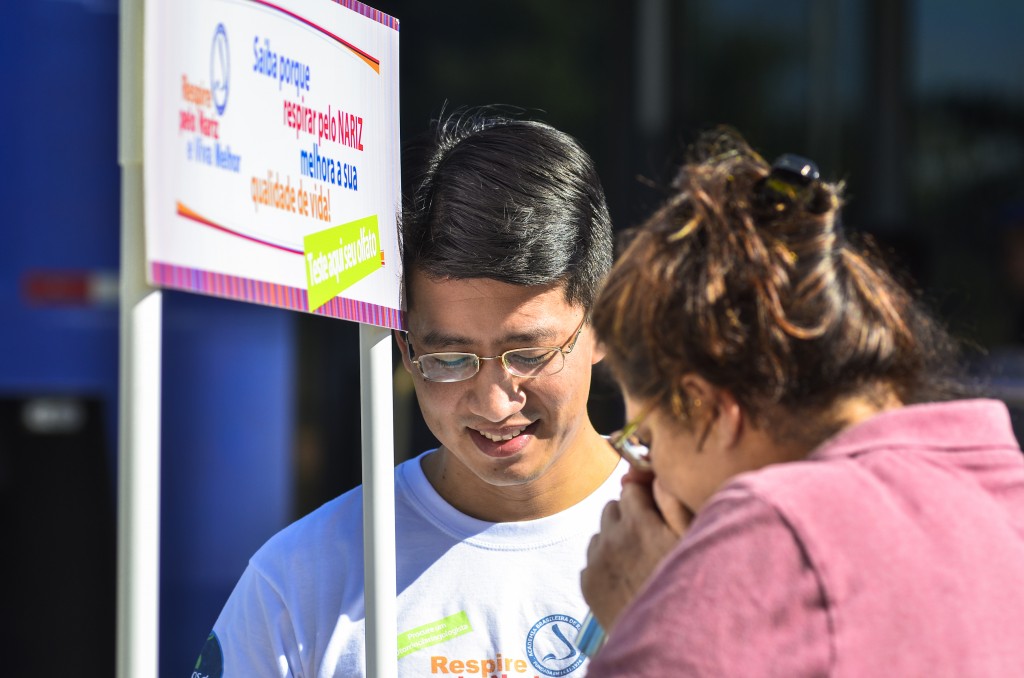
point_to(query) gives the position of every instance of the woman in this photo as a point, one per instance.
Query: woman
(839, 512)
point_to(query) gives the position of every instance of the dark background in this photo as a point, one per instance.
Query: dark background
(917, 105)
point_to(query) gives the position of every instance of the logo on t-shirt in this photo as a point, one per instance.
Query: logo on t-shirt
(550, 648)
(211, 660)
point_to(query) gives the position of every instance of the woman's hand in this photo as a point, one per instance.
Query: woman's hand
(636, 533)
(676, 516)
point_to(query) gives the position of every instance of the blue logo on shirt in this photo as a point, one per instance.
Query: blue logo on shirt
(550, 648)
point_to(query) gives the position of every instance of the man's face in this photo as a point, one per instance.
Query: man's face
(504, 430)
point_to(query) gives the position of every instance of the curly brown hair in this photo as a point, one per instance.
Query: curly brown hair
(746, 277)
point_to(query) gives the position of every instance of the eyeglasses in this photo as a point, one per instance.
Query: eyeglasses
(527, 363)
(628, 445)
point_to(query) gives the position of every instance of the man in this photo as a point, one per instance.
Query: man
(506, 239)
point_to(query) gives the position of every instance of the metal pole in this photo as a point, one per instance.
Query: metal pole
(823, 107)
(375, 374)
(653, 69)
(888, 117)
(138, 552)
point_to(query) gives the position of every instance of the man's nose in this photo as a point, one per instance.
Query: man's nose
(496, 394)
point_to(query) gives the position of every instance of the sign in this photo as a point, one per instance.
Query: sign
(271, 154)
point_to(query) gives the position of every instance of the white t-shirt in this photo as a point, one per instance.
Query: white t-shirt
(474, 598)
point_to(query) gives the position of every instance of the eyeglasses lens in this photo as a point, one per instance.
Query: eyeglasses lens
(534, 362)
(446, 367)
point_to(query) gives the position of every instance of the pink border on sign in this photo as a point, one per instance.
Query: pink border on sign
(271, 294)
(367, 11)
(372, 61)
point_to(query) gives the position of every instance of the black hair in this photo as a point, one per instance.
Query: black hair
(506, 198)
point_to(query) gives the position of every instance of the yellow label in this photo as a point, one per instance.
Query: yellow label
(433, 633)
(340, 257)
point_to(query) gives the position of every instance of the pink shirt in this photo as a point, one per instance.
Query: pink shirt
(895, 549)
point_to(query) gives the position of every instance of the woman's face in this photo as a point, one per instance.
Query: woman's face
(682, 471)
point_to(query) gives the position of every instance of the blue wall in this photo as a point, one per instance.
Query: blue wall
(228, 367)
(60, 195)
(227, 426)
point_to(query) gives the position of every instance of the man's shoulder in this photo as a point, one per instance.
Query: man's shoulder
(337, 525)
(338, 520)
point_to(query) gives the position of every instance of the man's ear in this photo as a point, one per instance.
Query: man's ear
(598, 354)
(403, 347)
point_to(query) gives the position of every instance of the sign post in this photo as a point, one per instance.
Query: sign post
(378, 501)
(138, 544)
(271, 176)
